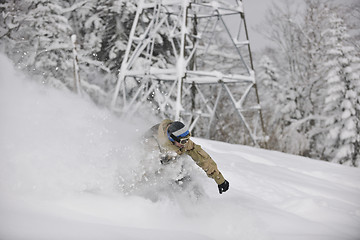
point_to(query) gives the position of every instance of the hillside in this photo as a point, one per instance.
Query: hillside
(69, 170)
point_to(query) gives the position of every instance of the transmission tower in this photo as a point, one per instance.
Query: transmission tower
(206, 58)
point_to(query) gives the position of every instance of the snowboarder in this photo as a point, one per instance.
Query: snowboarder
(173, 139)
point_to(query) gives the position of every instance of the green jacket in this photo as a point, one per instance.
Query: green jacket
(201, 158)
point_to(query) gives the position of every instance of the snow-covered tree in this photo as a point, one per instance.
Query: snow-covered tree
(272, 97)
(313, 76)
(297, 58)
(300, 55)
(342, 101)
(53, 48)
(351, 15)
(37, 36)
(40, 43)
(89, 28)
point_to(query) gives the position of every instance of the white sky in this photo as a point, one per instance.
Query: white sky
(255, 11)
(254, 15)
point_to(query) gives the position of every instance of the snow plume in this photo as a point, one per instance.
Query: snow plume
(62, 159)
(54, 142)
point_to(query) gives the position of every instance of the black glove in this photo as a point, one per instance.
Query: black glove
(223, 187)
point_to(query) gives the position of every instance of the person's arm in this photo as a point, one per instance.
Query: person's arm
(203, 160)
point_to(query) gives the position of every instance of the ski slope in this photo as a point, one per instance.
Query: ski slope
(68, 170)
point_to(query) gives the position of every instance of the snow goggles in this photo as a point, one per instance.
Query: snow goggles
(182, 139)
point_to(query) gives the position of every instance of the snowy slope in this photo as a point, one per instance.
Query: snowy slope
(68, 170)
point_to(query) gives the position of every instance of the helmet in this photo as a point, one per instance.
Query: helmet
(176, 131)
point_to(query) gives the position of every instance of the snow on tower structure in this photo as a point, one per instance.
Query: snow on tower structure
(191, 59)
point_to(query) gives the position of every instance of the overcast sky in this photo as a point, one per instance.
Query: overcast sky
(254, 15)
(255, 11)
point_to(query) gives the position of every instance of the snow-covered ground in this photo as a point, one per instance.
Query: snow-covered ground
(69, 170)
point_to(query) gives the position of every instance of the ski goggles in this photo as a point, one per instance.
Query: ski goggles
(182, 139)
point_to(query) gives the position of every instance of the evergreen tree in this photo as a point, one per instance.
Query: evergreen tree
(41, 43)
(89, 28)
(342, 101)
(300, 59)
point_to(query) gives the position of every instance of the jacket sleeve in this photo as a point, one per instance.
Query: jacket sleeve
(203, 160)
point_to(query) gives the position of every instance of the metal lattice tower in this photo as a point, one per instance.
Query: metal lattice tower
(206, 54)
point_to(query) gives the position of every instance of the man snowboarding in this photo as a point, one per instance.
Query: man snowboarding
(173, 139)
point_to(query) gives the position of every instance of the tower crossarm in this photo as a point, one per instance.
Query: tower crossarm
(199, 77)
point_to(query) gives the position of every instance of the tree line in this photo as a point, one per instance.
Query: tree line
(309, 80)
